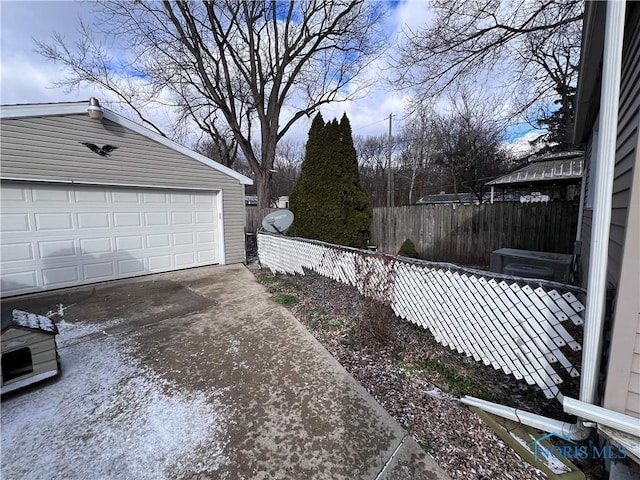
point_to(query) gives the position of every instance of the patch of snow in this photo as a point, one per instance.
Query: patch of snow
(437, 393)
(33, 320)
(109, 416)
(71, 333)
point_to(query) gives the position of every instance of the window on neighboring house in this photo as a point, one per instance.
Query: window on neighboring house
(591, 172)
(16, 364)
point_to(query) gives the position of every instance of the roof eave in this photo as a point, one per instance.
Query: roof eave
(588, 95)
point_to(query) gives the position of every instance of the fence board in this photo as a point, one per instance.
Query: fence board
(468, 234)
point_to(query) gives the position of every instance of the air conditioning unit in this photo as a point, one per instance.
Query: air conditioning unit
(532, 264)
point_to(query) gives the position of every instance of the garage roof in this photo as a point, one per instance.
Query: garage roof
(74, 108)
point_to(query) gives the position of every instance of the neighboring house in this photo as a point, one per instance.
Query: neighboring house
(447, 198)
(89, 196)
(611, 215)
(29, 353)
(555, 176)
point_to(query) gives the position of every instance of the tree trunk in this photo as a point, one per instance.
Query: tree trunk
(263, 185)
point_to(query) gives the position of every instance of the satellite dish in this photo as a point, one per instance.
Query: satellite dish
(278, 221)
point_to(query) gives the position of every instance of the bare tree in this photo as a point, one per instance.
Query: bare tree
(529, 48)
(467, 143)
(372, 154)
(254, 67)
(417, 149)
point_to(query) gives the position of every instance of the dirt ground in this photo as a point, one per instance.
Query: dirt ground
(416, 380)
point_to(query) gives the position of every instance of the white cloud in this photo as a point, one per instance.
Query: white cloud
(26, 77)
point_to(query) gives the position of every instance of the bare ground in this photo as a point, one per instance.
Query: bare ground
(415, 379)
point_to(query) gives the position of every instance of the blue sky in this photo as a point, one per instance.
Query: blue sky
(26, 77)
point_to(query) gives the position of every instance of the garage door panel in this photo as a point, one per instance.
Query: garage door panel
(180, 198)
(56, 277)
(98, 271)
(182, 218)
(16, 252)
(52, 194)
(154, 197)
(126, 219)
(154, 219)
(88, 220)
(19, 282)
(158, 240)
(184, 259)
(88, 234)
(181, 239)
(95, 246)
(56, 249)
(14, 195)
(91, 196)
(125, 196)
(124, 244)
(14, 222)
(206, 256)
(160, 263)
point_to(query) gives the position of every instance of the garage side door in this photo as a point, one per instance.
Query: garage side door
(57, 236)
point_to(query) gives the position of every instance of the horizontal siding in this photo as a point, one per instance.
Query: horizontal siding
(50, 149)
(623, 269)
(633, 404)
(233, 200)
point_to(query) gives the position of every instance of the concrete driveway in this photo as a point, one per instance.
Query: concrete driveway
(196, 374)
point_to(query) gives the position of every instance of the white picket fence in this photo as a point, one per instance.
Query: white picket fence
(513, 324)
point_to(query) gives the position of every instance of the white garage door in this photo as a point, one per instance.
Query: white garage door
(57, 236)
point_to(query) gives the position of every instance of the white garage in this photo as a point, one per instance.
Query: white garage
(72, 216)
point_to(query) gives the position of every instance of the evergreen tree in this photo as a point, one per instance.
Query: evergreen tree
(328, 202)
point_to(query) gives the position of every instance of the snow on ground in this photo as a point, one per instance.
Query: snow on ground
(109, 417)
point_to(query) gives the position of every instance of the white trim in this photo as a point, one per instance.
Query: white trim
(602, 416)
(52, 109)
(28, 381)
(221, 254)
(108, 184)
(43, 109)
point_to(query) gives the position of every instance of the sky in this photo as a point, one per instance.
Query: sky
(26, 77)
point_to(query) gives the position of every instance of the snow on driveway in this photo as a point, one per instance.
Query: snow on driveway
(109, 417)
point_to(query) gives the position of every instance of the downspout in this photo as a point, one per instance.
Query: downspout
(605, 165)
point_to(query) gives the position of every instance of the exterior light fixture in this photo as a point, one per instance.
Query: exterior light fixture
(95, 110)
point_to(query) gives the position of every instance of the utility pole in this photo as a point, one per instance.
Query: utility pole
(389, 191)
(389, 173)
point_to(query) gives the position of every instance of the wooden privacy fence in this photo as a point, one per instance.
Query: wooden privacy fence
(254, 218)
(520, 326)
(468, 234)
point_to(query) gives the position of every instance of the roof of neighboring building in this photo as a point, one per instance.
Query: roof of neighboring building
(71, 108)
(28, 321)
(447, 198)
(549, 168)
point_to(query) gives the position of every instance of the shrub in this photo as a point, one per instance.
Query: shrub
(328, 201)
(376, 321)
(408, 249)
